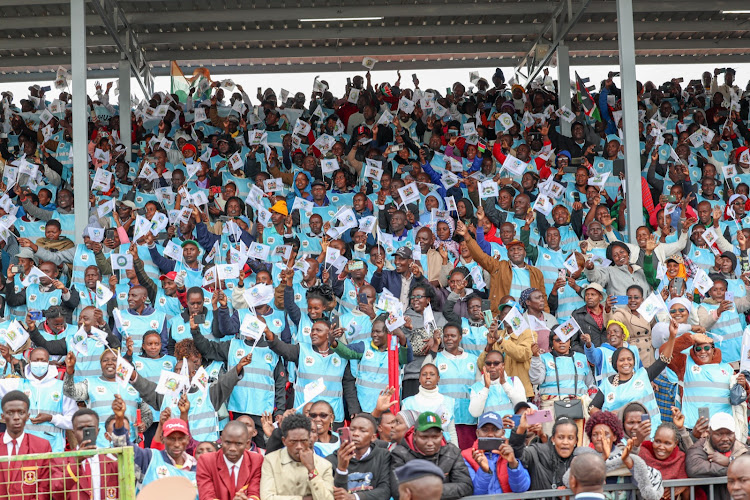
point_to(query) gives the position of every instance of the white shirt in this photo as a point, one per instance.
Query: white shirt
(96, 477)
(9, 443)
(235, 466)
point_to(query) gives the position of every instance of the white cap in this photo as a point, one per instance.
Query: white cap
(735, 196)
(722, 421)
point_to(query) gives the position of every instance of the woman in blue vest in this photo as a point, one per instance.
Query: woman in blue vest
(204, 421)
(601, 357)
(560, 373)
(369, 361)
(430, 399)
(315, 361)
(629, 385)
(327, 441)
(721, 317)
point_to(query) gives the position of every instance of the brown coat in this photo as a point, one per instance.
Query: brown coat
(517, 352)
(640, 332)
(501, 275)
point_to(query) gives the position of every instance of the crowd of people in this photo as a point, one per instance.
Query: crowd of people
(350, 297)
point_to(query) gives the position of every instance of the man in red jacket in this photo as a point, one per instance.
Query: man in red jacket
(26, 479)
(231, 473)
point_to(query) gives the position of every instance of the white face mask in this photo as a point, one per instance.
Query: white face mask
(39, 368)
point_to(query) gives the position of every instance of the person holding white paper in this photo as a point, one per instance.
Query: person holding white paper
(620, 275)
(315, 360)
(629, 385)
(99, 392)
(203, 419)
(721, 318)
(48, 292)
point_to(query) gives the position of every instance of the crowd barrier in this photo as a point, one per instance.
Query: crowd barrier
(621, 491)
(56, 475)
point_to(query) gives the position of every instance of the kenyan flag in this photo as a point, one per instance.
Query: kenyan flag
(584, 97)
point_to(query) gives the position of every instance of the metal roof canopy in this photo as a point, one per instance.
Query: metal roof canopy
(243, 37)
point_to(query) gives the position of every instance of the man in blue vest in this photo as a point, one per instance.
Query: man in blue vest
(50, 411)
(139, 318)
(50, 291)
(152, 465)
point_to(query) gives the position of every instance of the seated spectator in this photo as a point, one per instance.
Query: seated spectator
(604, 430)
(296, 470)
(360, 467)
(430, 399)
(419, 480)
(221, 475)
(425, 442)
(494, 471)
(710, 456)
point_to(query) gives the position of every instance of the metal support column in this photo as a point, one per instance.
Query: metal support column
(563, 83)
(626, 42)
(80, 116)
(125, 124)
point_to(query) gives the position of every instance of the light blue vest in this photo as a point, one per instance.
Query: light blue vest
(88, 365)
(568, 301)
(101, 395)
(549, 262)
(497, 400)
(313, 366)
(180, 329)
(357, 326)
(135, 326)
(474, 338)
(638, 390)
(372, 375)
(45, 398)
(728, 333)
(192, 277)
(160, 468)
(521, 281)
(255, 392)
(204, 423)
(170, 306)
(457, 375)
(571, 372)
(705, 385)
(701, 257)
(606, 369)
(41, 301)
(568, 239)
(18, 312)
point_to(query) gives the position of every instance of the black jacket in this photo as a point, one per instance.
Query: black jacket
(545, 466)
(589, 326)
(457, 482)
(369, 478)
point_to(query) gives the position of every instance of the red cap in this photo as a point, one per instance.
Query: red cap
(175, 425)
(171, 275)
(189, 147)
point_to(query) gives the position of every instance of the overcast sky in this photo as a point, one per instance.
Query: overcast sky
(439, 79)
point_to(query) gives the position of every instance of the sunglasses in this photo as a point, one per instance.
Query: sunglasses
(704, 348)
(681, 310)
(493, 363)
(418, 297)
(319, 415)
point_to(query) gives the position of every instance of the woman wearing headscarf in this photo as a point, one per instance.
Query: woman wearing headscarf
(466, 211)
(444, 229)
(600, 357)
(605, 432)
(630, 385)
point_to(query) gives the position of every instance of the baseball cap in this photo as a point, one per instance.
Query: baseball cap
(171, 275)
(318, 182)
(524, 404)
(128, 203)
(492, 418)
(190, 242)
(513, 243)
(403, 252)
(175, 425)
(414, 469)
(722, 421)
(428, 420)
(25, 253)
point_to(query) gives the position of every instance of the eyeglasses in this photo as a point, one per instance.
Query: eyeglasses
(680, 310)
(704, 348)
(493, 363)
(416, 297)
(319, 415)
